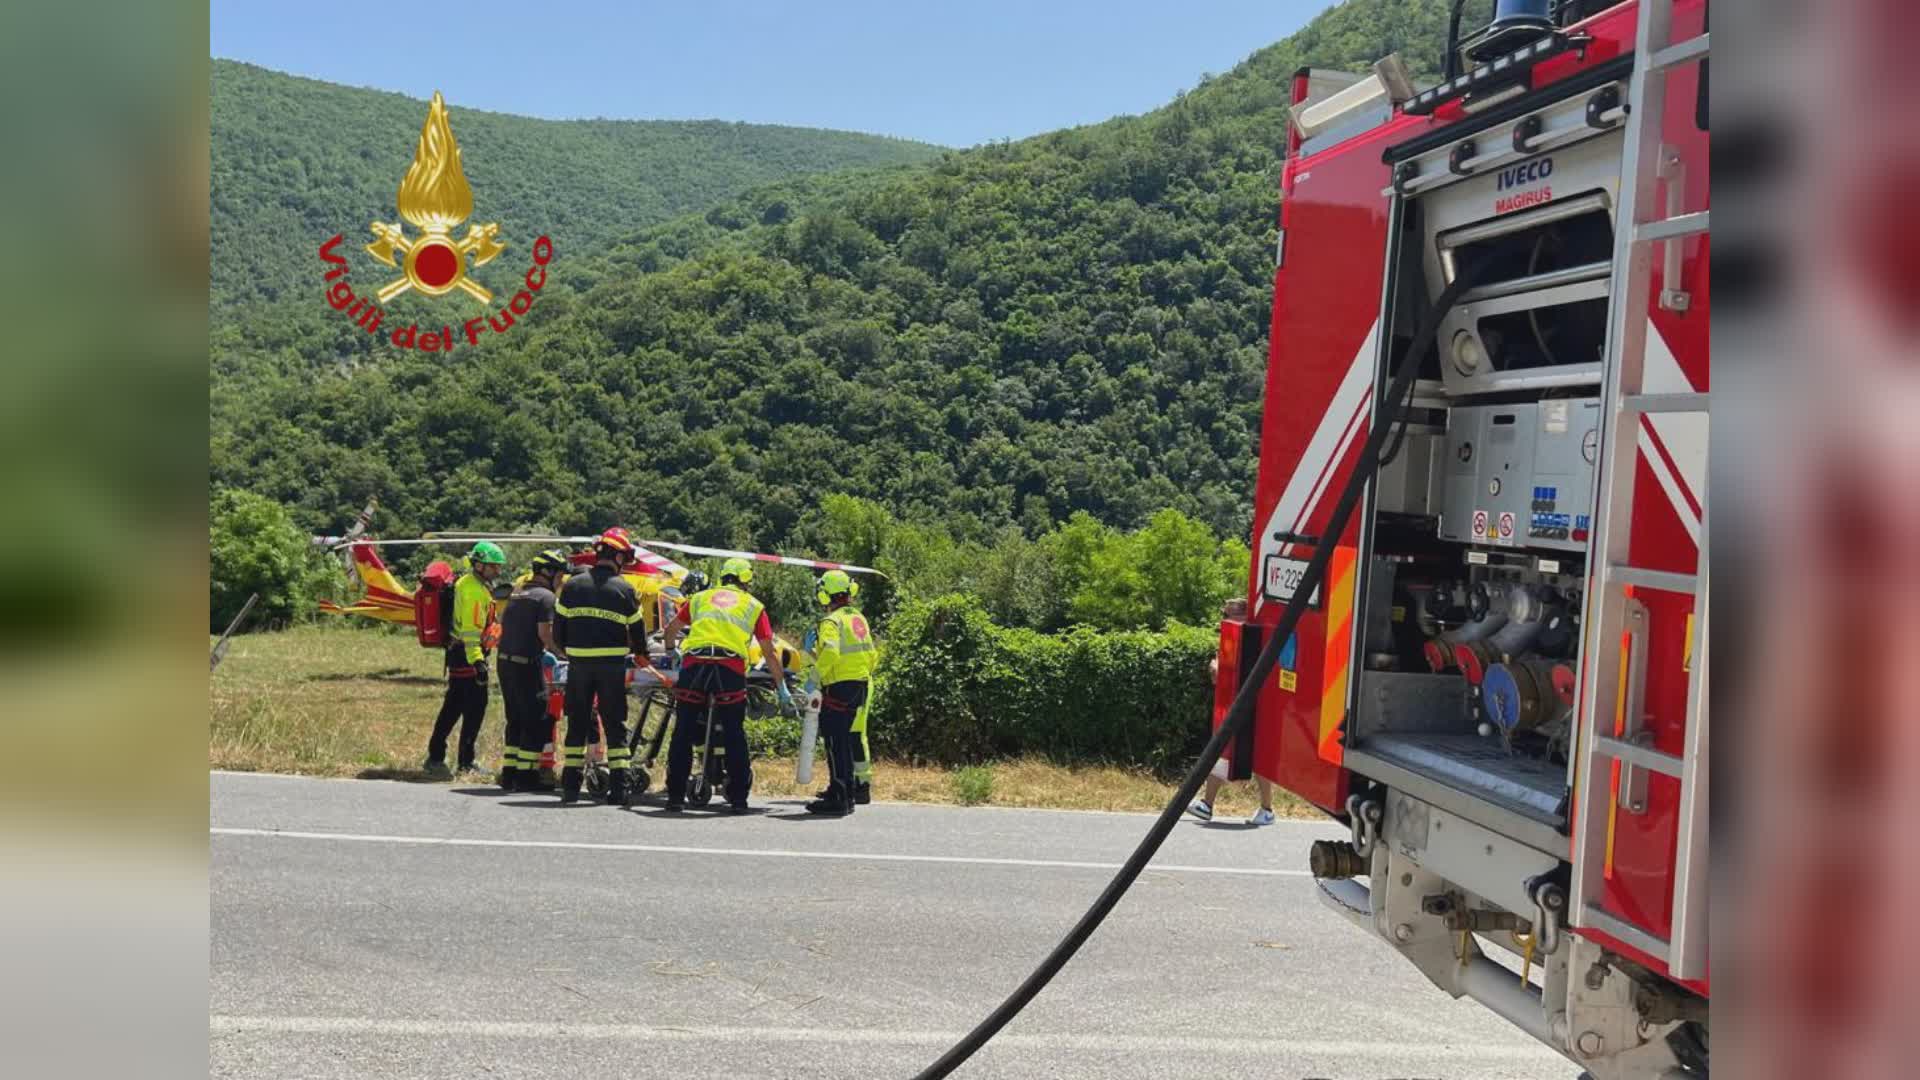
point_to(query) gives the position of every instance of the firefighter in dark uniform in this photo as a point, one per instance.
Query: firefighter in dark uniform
(844, 656)
(526, 634)
(596, 624)
(722, 624)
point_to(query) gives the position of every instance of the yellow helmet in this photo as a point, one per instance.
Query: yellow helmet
(738, 569)
(836, 583)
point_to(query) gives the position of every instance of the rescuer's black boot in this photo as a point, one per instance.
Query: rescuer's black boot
(509, 778)
(616, 787)
(836, 804)
(862, 792)
(570, 778)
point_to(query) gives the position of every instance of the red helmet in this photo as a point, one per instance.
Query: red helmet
(616, 538)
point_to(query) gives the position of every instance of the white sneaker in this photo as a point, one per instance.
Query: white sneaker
(1264, 817)
(1201, 809)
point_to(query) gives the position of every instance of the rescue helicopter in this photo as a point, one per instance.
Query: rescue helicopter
(657, 580)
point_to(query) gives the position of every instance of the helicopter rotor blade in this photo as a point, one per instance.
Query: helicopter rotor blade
(360, 522)
(761, 556)
(505, 537)
(450, 538)
(447, 541)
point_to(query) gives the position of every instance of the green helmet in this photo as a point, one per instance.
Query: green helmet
(836, 583)
(738, 569)
(486, 551)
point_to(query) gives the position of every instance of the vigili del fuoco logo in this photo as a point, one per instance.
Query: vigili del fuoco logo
(435, 199)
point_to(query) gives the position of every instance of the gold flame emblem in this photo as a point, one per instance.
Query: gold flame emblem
(434, 198)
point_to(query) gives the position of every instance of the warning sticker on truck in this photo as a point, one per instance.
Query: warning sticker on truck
(1290, 664)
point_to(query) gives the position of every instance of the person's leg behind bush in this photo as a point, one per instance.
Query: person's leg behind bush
(863, 753)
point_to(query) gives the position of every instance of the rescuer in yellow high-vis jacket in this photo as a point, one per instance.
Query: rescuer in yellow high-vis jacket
(466, 699)
(722, 625)
(844, 658)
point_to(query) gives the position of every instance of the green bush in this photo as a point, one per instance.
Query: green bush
(973, 785)
(932, 708)
(254, 546)
(1172, 570)
(960, 690)
(773, 736)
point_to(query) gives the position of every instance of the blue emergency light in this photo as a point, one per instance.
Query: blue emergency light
(1515, 23)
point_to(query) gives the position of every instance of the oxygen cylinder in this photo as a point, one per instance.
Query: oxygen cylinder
(809, 732)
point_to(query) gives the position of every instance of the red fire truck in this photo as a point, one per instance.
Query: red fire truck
(1500, 684)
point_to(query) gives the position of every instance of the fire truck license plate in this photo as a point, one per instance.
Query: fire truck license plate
(1283, 579)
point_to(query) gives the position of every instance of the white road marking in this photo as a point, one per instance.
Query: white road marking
(771, 853)
(1465, 1051)
(1316, 822)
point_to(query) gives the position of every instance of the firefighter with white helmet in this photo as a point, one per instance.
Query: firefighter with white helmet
(844, 659)
(466, 700)
(722, 624)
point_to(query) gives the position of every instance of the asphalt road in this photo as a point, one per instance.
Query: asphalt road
(379, 929)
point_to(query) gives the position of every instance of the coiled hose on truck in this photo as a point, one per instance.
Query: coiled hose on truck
(1398, 392)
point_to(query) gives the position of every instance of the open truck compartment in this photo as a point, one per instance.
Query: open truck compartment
(1499, 683)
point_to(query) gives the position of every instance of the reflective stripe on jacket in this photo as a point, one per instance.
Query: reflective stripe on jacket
(846, 649)
(472, 610)
(722, 618)
(594, 615)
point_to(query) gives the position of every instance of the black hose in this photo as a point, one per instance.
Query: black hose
(1236, 718)
(1450, 64)
(1396, 409)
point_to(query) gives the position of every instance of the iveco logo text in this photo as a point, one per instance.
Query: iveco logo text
(1518, 176)
(1526, 173)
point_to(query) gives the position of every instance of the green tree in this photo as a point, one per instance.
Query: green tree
(1072, 548)
(1069, 328)
(254, 547)
(1173, 570)
(1187, 574)
(1016, 582)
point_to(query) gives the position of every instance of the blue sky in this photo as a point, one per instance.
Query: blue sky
(949, 73)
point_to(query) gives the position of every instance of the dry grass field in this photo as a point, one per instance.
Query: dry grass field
(339, 700)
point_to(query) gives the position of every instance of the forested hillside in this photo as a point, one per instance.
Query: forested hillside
(993, 340)
(295, 160)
